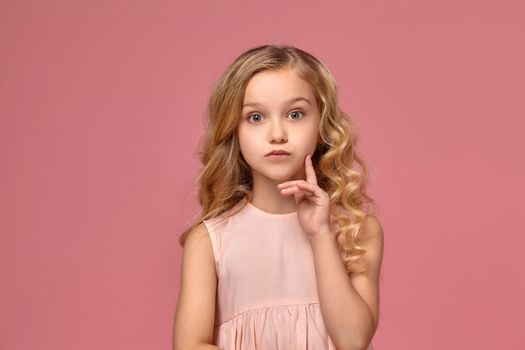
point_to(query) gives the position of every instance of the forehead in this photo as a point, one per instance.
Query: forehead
(276, 85)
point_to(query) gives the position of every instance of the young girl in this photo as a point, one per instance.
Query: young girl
(286, 253)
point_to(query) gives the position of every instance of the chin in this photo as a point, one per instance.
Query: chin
(273, 174)
(281, 175)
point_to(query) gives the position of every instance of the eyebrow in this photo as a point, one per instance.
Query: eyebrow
(289, 101)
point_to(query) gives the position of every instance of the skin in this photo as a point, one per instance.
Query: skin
(349, 304)
(275, 123)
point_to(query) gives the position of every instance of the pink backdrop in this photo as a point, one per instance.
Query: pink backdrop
(102, 104)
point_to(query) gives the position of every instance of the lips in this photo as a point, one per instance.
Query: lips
(277, 152)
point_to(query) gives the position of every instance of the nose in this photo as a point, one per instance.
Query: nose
(277, 132)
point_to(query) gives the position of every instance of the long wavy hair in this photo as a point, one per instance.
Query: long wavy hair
(225, 178)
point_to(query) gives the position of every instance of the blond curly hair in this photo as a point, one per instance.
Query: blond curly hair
(225, 178)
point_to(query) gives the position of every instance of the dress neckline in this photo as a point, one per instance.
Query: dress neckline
(268, 215)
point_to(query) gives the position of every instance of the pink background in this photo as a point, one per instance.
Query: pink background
(102, 105)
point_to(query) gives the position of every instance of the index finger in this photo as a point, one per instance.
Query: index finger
(310, 171)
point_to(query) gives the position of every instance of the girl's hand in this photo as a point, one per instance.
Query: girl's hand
(313, 204)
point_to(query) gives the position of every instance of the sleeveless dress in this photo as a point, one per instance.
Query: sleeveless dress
(266, 293)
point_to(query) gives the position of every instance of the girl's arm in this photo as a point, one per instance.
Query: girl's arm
(349, 304)
(195, 314)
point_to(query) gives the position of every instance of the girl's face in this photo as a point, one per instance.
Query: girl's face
(279, 112)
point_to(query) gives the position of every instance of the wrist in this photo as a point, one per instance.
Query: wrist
(322, 238)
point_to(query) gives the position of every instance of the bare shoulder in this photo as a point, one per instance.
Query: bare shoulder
(371, 229)
(371, 239)
(199, 233)
(198, 246)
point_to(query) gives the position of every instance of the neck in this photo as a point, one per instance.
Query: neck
(266, 196)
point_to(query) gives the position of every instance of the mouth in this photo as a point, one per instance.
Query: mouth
(278, 153)
(277, 156)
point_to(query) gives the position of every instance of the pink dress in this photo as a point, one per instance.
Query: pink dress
(266, 293)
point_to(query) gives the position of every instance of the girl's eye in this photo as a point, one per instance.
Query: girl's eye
(250, 116)
(297, 112)
(256, 114)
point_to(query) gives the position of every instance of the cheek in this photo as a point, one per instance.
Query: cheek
(246, 144)
(241, 137)
(308, 136)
